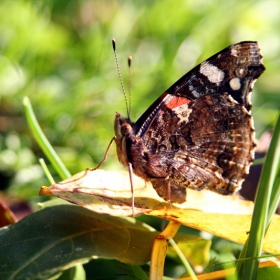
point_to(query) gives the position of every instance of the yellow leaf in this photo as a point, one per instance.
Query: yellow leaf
(110, 192)
(234, 227)
(106, 192)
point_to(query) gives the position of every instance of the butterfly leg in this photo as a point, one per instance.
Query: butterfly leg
(130, 170)
(169, 190)
(105, 156)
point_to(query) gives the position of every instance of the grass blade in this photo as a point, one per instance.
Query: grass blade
(43, 141)
(266, 201)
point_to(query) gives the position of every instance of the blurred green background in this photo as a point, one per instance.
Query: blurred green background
(59, 54)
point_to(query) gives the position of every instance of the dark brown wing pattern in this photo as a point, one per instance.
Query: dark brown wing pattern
(199, 134)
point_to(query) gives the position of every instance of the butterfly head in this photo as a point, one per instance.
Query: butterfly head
(123, 133)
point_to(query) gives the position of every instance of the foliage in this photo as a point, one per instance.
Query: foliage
(58, 53)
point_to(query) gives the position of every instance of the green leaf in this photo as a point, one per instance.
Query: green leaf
(269, 273)
(195, 249)
(112, 269)
(44, 243)
(74, 273)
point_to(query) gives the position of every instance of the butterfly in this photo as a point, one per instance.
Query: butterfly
(199, 133)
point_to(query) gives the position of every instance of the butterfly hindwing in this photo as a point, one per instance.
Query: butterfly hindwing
(209, 148)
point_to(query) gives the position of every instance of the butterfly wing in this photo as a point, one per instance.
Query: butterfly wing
(199, 134)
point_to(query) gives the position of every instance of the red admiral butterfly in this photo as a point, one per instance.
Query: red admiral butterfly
(199, 133)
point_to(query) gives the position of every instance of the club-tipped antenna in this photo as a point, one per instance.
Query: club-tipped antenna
(129, 60)
(120, 77)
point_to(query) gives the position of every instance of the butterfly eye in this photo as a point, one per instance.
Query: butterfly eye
(126, 129)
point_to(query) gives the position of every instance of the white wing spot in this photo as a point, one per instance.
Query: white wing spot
(212, 72)
(241, 72)
(233, 52)
(235, 83)
(193, 91)
(182, 113)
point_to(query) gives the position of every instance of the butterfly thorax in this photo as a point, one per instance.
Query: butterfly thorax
(132, 149)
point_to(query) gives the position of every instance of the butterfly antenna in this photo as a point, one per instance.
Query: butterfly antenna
(129, 60)
(120, 76)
